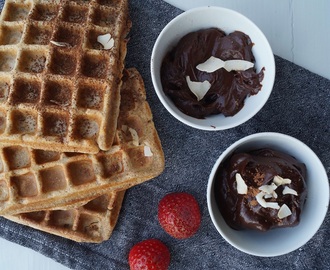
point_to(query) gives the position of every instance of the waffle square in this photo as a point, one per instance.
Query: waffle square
(92, 222)
(59, 89)
(32, 179)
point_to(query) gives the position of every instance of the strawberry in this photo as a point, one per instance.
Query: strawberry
(179, 214)
(149, 254)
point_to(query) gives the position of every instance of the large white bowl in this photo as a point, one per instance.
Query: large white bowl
(282, 240)
(228, 21)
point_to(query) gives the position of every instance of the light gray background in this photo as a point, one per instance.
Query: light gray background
(298, 106)
(298, 30)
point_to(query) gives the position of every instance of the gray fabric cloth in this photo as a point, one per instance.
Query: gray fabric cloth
(298, 106)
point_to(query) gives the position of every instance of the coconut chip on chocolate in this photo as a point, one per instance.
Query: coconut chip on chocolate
(288, 190)
(278, 180)
(214, 63)
(198, 88)
(268, 192)
(284, 212)
(241, 185)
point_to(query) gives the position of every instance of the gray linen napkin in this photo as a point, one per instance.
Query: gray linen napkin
(298, 106)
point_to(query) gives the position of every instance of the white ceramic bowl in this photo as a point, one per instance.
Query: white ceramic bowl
(228, 21)
(282, 240)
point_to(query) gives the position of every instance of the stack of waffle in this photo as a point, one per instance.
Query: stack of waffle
(75, 128)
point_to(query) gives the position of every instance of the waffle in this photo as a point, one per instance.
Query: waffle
(59, 87)
(93, 222)
(33, 180)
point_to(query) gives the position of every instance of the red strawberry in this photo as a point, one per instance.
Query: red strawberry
(149, 254)
(179, 214)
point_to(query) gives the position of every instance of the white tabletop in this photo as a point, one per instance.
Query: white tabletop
(13, 257)
(298, 30)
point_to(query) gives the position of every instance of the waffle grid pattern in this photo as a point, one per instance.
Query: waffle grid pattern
(33, 179)
(61, 95)
(37, 173)
(92, 222)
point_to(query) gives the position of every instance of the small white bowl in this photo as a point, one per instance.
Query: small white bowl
(281, 240)
(228, 21)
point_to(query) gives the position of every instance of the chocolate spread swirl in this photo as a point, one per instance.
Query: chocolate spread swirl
(228, 89)
(257, 168)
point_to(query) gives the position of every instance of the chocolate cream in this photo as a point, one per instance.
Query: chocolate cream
(258, 168)
(228, 89)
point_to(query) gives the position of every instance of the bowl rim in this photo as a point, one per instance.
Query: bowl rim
(201, 123)
(210, 196)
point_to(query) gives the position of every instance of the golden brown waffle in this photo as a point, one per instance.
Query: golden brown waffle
(32, 180)
(59, 89)
(92, 222)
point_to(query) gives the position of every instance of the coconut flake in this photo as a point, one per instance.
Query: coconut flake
(198, 88)
(241, 186)
(60, 44)
(284, 212)
(124, 128)
(106, 40)
(269, 189)
(64, 104)
(268, 196)
(213, 63)
(271, 195)
(260, 199)
(238, 65)
(288, 190)
(134, 135)
(273, 205)
(133, 132)
(147, 151)
(210, 65)
(278, 180)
